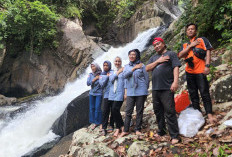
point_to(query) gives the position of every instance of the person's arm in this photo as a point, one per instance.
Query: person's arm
(128, 73)
(125, 96)
(162, 59)
(113, 77)
(95, 78)
(125, 88)
(174, 85)
(207, 61)
(103, 80)
(146, 76)
(89, 80)
(185, 51)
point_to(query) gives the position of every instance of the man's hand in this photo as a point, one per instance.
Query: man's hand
(195, 43)
(163, 59)
(120, 70)
(108, 74)
(174, 86)
(206, 71)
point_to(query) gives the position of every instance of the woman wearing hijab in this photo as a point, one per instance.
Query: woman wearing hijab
(137, 82)
(107, 104)
(95, 96)
(117, 93)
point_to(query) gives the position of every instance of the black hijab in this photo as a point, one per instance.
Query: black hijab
(137, 60)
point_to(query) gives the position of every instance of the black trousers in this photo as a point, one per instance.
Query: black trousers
(164, 108)
(199, 82)
(130, 103)
(106, 109)
(116, 114)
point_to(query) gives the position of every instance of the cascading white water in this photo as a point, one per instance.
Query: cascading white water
(31, 129)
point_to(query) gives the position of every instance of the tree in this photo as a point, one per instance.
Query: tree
(32, 24)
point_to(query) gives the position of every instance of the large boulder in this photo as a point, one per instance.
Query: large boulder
(221, 89)
(75, 116)
(227, 56)
(23, 75)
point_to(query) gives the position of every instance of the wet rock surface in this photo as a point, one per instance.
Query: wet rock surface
(74, 117)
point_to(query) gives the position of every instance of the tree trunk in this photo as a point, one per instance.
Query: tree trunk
(31, 43)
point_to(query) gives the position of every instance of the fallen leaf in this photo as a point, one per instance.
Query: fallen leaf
(121, 149)
(114, 145)
(152, 153)
(208, 147)
(158, 149)
(208, 126)
(226, 139)
(188, 140)
(151, 134)
(228, 151)
(216, 151)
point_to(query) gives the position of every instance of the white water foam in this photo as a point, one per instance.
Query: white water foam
(31, 129)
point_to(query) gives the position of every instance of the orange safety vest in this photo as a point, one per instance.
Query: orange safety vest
(199, 64)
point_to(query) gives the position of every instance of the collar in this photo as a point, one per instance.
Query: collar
(193, 39)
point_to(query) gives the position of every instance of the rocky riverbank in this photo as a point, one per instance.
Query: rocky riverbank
(211, 140)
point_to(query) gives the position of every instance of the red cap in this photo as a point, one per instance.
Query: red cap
(158, 39)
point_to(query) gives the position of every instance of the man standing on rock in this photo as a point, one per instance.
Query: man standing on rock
(165, 72)
(197, 56)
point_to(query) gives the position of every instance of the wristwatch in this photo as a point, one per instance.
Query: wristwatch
(207, 65)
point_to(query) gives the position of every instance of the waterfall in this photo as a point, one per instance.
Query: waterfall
(32, 128)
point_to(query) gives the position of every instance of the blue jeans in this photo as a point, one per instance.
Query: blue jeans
(95, 113)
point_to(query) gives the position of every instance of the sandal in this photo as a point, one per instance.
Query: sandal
(110, 130)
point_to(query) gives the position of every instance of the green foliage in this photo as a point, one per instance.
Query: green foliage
(30, 24)
(127, 7)
(72, 12)
(214, 19)
(222, 149)
(211, 75)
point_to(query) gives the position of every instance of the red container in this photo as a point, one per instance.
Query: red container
(182, 101)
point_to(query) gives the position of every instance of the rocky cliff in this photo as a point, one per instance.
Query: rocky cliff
(46, 73)
(153, 13)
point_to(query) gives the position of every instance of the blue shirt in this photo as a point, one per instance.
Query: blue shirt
(137, 82)
(96, 89)
(117, 87)
(105, 84)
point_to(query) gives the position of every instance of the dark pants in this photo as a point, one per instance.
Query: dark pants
(106, 109)
(130, 103)
(116, 114)
(95, 113)
(199, 82)
(164, 108)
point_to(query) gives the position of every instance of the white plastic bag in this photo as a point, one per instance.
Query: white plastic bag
(190, 121)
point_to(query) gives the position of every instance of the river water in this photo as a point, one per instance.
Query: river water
(31, 128)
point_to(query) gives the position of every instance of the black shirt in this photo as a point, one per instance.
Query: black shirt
(162, 74)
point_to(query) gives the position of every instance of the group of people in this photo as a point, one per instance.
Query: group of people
(132, 81)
